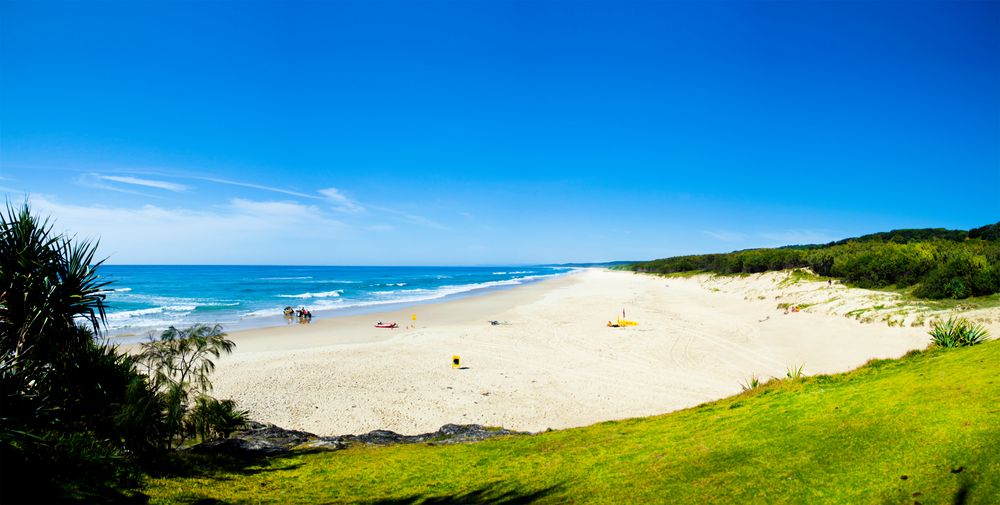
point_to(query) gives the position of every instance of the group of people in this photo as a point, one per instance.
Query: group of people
(303, 314)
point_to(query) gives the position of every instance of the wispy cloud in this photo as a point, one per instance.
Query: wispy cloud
(344, 204)
(149, 183)
(341, 200)
(256, 186)
(238, 231)
(726, 236)
(290, 211)
(96, 181)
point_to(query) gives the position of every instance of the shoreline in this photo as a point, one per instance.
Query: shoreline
(555, 365)
(127, 337)
(358, 328)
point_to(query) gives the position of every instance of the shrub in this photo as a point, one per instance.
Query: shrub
(961, 276)
(752, 382)
(957, 332)
(215, 418)
(795, 373)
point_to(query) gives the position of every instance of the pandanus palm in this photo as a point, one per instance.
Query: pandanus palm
(51, 305)
(66, 403)
(180, 363)
(184, 356)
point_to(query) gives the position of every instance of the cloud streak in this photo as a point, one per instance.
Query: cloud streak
(240, 231)
(255, 186)
(344, 204)
(340, 199)
(96, 181)
(149, 183)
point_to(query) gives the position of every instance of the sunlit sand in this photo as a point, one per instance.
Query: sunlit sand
(554, 363)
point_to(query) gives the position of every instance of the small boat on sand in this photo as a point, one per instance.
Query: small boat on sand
(380, 324)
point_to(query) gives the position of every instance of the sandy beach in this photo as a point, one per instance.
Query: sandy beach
(554, 364)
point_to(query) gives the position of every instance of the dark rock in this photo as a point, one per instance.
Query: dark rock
(321, 444)
(237, 446)
(275, 435)
(268, 439)
(257, 438)
(447, 434)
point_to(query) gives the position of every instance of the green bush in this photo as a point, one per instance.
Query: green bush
(961, 276)
(957, 332)
(211, 418)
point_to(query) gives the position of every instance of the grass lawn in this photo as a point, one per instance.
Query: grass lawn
(925, 428)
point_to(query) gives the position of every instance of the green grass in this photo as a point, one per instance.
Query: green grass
(798, 275)
(971, 303)
(686, 274)
(924, 428)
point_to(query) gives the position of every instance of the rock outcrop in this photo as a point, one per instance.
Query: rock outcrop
(268, 439)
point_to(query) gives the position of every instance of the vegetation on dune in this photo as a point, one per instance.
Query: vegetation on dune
(935, 263)
(796, 372)
(957, 332)
(77, 417)
(923, 428)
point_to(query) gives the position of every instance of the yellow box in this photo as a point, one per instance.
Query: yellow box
(456, 362)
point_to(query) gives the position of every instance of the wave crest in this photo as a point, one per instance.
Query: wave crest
(324, 294)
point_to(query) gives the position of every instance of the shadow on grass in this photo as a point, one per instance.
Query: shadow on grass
(45, 493)
(492, 494)
(962, 495)
(218, 467)
(215, 466)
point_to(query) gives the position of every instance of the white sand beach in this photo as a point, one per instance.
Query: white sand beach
(555, 364)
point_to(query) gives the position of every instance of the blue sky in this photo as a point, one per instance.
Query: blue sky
(481, 132)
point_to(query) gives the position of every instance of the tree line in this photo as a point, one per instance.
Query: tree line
(934, 262)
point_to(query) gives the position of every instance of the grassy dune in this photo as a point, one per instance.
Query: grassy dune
(924, 428)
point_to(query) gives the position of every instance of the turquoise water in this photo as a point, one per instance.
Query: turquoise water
(151, 298)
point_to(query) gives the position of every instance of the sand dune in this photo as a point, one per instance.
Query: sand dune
(555, 365)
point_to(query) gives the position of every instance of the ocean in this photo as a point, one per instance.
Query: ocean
(149, 298)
